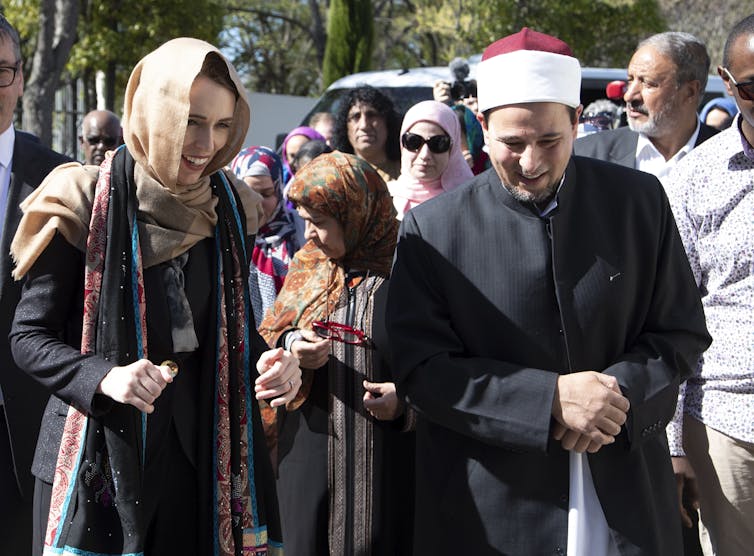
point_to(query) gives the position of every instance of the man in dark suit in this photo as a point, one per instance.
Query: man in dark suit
(23, 165)
(100, 132)
(540, 320)
(666, 79)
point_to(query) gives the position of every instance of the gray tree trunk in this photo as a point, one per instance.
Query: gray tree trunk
(57, 33)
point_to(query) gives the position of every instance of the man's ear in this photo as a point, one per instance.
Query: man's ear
(482, 121)
(726, 80)
(695, 91)
(579, 110)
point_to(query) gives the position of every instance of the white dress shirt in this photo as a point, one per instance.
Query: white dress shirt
(649, 159)
(7, 140)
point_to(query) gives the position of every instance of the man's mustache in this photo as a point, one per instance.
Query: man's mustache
(639, 107)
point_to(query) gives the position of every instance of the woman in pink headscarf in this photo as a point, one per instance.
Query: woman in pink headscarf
(431, 158)
(291, 144)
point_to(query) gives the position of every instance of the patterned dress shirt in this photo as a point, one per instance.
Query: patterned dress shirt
(712, 195)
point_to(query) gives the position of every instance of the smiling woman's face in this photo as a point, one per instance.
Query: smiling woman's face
(209, 124)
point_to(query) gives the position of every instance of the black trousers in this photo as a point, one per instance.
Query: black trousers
(170, 498)
(15, 509)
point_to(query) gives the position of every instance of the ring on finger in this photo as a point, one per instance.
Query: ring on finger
(290, 385)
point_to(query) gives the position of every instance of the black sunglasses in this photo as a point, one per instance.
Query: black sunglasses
(437, 143)
(94, 140)
(746, 89)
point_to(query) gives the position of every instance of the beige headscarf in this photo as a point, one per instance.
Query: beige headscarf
(171, 218)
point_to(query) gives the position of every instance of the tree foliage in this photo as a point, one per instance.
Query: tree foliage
(350, 32)
(44, 58)
(113, 35)
(600, 32)
(279, 47)
(709, 21)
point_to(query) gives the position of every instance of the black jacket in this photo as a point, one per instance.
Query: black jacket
(488, 304)
(24, 398)
(619, 145)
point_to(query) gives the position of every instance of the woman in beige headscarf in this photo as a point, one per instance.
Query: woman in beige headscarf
(135, 315)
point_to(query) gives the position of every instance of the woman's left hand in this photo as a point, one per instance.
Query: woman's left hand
(381, 400)
(279, 377)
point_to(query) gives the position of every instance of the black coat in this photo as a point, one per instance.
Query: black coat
(24, 398)
(619, 145)
(46, 339)
(488, 304)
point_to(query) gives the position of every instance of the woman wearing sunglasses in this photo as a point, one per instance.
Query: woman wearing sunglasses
(432, 161)
(345, 466)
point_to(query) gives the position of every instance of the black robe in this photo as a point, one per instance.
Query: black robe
(346, 480)
(488, 304)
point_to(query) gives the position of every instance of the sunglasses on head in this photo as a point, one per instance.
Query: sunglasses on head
(746, 89)
(437, 143)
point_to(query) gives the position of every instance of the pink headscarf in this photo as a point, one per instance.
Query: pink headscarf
(407, 191)
(312, 134)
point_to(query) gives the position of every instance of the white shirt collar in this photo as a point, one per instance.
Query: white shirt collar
(7, 141)
(649, 159)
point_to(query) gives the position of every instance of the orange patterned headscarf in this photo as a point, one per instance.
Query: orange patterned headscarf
(347, 188)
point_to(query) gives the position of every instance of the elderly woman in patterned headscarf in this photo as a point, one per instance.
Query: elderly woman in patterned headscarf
(134, 317)
(342, 458)
(281, 235)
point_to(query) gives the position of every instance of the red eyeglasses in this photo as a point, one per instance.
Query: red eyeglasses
(340, 332)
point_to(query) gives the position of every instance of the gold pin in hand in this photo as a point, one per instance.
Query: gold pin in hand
(172, 365)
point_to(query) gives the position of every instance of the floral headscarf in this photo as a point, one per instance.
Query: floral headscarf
(347, 188)
(278, 240)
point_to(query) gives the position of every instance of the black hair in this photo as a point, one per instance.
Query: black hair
(382, 104)
(216, 69)
(743, 27)
(308, 152)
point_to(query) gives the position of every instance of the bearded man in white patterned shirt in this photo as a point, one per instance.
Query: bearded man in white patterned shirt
(712, 195)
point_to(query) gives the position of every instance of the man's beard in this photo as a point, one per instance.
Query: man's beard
(524, 196)
(656, 123)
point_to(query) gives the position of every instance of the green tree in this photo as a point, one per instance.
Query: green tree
(67, 40)
(350, 33)
(113, 35)
(709, 21)
(600, 32)
(44, 52)
(279, 48)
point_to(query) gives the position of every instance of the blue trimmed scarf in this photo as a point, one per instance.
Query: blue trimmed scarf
(95, 505)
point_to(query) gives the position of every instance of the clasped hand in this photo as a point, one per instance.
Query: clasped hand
(141, 382)
(589, 411)
(312, 351)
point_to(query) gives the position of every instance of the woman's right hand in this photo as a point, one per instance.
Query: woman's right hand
(313, 351)
(138, 384)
